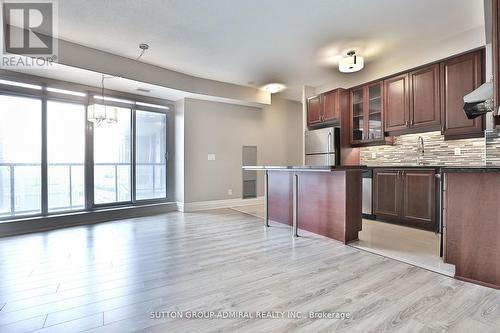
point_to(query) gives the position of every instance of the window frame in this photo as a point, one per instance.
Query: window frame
(45, 96)
(134, 165)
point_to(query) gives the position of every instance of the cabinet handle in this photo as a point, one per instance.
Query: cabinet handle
(412, 122)
(407, 124)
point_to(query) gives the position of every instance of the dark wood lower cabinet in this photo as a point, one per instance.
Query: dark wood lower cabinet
(386, 193)
(406, 196)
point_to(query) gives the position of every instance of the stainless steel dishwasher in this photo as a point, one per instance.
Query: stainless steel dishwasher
(367, 208)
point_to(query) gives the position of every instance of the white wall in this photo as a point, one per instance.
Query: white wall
(408, 59)
(222, 129)
(80, 56)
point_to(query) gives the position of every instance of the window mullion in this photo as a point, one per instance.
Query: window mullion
(44, 166)
(133, 156)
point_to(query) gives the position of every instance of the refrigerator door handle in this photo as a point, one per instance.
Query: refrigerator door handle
(330, 142)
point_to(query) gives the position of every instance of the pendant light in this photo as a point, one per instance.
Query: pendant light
(101, 113)
(352, 63)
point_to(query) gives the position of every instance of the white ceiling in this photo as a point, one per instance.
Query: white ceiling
(258, 41)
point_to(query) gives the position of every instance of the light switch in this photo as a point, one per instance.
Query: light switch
(211, 157)
(374, 155)
(230, 192)
(458, 151)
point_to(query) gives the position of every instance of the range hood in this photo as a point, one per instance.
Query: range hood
(479, 102)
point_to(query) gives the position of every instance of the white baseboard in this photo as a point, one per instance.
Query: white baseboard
(216, 204)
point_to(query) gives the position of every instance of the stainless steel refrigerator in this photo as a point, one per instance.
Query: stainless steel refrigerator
(322, 146)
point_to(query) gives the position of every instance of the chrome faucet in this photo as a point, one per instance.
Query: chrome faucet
(420, 149)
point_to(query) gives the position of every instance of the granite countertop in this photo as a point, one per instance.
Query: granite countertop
(324, 168)
(441, 168)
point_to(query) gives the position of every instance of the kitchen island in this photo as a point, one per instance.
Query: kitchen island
(325, 200)
(471, 223)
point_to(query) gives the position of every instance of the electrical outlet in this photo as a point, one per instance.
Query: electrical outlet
(374, 155)
(211, 157)
(230, 191)
(458, 151)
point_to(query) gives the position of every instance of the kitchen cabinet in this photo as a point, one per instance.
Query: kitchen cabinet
(496, 56)
(367, 115)
(314, 110)
(425, 112)
(386, 192)
(406, 196)
(460, 76)
(325, 108)
(331, 108)
(397, 115)
(412, 101)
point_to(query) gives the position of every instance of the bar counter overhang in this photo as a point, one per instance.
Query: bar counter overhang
(324, 200)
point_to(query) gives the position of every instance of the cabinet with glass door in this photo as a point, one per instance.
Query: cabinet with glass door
(367, 115)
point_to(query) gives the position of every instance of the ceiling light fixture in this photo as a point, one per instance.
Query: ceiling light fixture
(352, 63)
(274, 88)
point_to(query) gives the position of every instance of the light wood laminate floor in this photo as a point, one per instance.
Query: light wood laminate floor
(109, 277)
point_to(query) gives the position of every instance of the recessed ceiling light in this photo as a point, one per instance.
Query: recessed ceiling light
(352, 63)
(274, 88)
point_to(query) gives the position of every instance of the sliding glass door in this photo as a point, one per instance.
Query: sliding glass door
(112, 160)
(65, 156)
(150, 155)
(20, 155)
(55, 160)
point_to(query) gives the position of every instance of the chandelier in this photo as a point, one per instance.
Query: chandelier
(102, 113)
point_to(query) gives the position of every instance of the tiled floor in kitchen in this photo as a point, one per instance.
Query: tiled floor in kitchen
(413, 246)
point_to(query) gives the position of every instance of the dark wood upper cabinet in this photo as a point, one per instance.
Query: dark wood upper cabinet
(412, 101)
(424, 98)
(324, 108)
(460, 76)
(367, 115)
(314, 110)
(331, 108)
(495, 19)
(406, 196)
(397, 116)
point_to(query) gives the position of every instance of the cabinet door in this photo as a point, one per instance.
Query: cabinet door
(330, 106)
(419, 198)
(357, 115)
(314, 110)
(396, 103)
(386, 193)
(424, 98)
(460, 76)
(375, 128)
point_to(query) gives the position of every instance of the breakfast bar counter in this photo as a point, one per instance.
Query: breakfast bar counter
(325, 200)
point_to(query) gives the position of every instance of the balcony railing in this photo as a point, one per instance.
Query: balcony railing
(20, 185)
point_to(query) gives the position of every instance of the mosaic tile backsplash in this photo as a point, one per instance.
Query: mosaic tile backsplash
(437, 151)
(493, 148)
